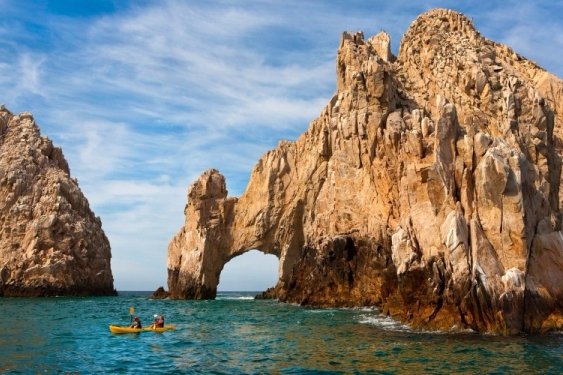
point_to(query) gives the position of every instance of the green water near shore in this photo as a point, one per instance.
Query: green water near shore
(236, 334)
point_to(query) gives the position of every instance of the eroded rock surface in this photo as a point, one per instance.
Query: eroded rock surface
(50, 241)
(428, 186)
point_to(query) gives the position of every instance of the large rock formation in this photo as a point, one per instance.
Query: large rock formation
(428, 186)
(50, 241)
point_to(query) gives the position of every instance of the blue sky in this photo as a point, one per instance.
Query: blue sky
(143, 96)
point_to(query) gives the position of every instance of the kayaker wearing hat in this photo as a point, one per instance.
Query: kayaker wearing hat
(136, 323)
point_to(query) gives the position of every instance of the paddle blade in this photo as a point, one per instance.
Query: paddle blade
(131, 310)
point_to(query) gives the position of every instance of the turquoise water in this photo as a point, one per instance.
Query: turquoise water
(236, 334)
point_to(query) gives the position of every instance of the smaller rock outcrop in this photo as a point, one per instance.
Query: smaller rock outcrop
(51, 243)
(160, 293)
(270, 293)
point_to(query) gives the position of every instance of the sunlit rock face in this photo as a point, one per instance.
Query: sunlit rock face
(429, 186)
(50, 241)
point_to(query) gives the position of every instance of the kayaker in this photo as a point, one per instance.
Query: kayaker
(158, 321)
(136, 323)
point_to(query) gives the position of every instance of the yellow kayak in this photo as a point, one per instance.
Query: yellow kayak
(127, 329)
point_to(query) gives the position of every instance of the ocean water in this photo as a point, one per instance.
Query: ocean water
(236, 334)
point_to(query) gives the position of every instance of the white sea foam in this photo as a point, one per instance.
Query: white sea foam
(234, 298)
(321, 311)
(383, 322)
(367, 309)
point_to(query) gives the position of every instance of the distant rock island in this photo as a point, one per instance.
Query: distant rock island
(50, 241)
(429, 186)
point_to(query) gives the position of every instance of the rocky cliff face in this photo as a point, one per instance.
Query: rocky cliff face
(50, 241)
(428, 186)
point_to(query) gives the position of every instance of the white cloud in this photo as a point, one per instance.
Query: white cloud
(140, 219)
(195, 59)
(30, 73)
(22, 76)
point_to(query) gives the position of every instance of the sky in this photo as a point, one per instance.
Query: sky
(143, 96)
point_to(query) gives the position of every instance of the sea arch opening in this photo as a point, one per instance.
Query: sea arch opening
(253, 271)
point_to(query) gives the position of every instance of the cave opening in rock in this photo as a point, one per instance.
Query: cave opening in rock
(252, 271)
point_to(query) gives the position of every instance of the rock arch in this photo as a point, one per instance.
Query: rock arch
(428, 186)
(215, 233)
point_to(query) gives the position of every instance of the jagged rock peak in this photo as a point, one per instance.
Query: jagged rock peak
(437, 23)
(211, 185)
(429, 186)
(51, 243)
(381, 42)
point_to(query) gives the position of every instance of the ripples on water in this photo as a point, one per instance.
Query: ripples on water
(237, 334)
